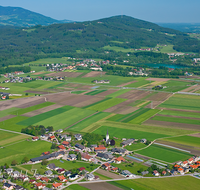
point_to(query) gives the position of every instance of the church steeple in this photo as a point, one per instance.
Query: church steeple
(107, 136)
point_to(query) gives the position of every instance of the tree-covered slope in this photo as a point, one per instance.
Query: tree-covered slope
(17, 16)
(22, 45)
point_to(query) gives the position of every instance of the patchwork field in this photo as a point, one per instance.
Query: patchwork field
(164, 153)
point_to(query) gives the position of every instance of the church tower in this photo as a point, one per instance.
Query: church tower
(107, 136)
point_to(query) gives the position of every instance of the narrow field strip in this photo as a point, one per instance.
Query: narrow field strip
(118, 93)
(95, 92)
(8, 111)
(97, 103)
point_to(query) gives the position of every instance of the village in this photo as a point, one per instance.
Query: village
(71, 148)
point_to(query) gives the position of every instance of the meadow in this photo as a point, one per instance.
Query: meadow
(185, 102)
(127, 133)
(89, 121)
(173, 183)
(106, 104)
(8, 111)
(19, 150)
(140, 83)
(164, 153)
(118, 49)
(118, 93)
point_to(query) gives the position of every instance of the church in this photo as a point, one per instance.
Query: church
(108, 141)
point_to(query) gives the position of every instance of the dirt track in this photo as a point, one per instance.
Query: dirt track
(33, 103)
(100, 186)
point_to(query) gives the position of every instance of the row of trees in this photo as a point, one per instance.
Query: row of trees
(36, 130)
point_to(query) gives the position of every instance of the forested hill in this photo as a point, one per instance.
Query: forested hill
(17, 16)
(26, 44)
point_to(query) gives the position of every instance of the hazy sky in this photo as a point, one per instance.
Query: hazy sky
(168, 11)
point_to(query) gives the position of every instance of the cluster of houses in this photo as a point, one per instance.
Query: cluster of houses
(101, 81)
(15, 79)
(139, 72)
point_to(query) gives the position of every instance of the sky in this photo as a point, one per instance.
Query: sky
(157, 11)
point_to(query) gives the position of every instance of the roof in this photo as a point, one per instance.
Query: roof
(120, 159)
(57, 184)
(99, 148)
(128, 141)
(61, 177)
(65, 143)
(115, 168)
(180, 169)
(80, 146)
(106, 164)
(45, 179)
(81, 168)
(86, 156)
(39, 184)
(35, 137)
(52, 137)
(185, 162)
(61, 147)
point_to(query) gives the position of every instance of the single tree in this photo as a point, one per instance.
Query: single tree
(44, 162)
(14, 162)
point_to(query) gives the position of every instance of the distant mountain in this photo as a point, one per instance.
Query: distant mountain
(88, 38)
(183, 27)
(16, 16)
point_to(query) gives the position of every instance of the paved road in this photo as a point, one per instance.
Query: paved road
(16, 132)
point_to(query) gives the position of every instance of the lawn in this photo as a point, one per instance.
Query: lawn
(118, 93)
(180, 113)
(176, 120)
(164, 153)
(172, 183)
(18, 151)
(106, 104)
(32, 108)
(46, 115)
(66, 119)
(127, 133)
(89, 121)
(185, 140)
(186, 102)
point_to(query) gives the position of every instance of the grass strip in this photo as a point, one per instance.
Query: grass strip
(96, 103)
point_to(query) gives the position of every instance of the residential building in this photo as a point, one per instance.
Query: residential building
(90, 177)
(72, 156)
(126, 173)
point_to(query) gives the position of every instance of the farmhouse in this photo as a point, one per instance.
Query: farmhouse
(156, 173)
(86, 157)
(126, 173)
(72, 157)
(128, 142)
(119, 151)
(57, 185)
(40, 185)
(73, 176)
(78, 137)
(89, 177)
(119, 160)
(35, 138)
(8, 186)
(106, 166)
(100, 148)
(65, 143)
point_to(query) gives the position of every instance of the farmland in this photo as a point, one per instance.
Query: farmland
(165, 154)
(178, 183)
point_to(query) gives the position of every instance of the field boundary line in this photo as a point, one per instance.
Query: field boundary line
(165, 100)
(152, 116)
(16, 132)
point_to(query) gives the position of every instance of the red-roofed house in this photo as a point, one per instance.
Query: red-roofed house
(115, 169)
(62, 178)
(190, 161)
(86, 157)
(184, 164)
(164, 172)
(61, 147)
(65, 143)
(44, 179)
(51, 138)
(40, 185)
(119, 160)
(106, 166)
(100, 149)
(61, 170)
(35, 138)
(81, 169)
(181, 170)
(156, 173)
(57, 185)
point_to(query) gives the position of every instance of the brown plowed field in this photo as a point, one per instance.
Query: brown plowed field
(127, 110)
(16, 102)
(191, 88)
(33, 103)
(134, 94)
(154, 104)
(125, 84)
(118, 107)
(194, 150)
(73, 100)
(100, 186)
(173, 125)
(86, 87)
(93, 74)
(64, 74)
(73, 85)
(160, 96)
(105, 93)
(36, 92)
(109, 174)
(38, 73)
(195, 135)
(158, 79)
(7, 117)
(91, 100)
(42, 110)
(57, 98)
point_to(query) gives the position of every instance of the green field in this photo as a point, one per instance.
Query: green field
(185, 140)
(20, 150)
(180, 113)
(135, 146)
(116, 117)
(8, 111)
(89, 121)
(164, 153)
(66, 119)
(167, 49)
(32, 108)
(138, 84)
(78, 92)
(46, 115)
(118, 49)
(76, 187)
(176, 120)
(186, 102)
(127, 133)
(172, 183)
(106, 104)
(95, 92)
(118, 93)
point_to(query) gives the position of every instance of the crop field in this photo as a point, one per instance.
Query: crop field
(138, 84)
(167, 49)
(78, 92)
(43, 116)
(185, 102)
(185, 140)
(9, 138)
(20, 150)
(118, 49)
(180, 113)
(173, 183)
(116, 117)
(176, 120)
(143, 117)
(95, 92)
(8, 111)
(127, 133)
(118, 93)
(66, 118)
(164, 153)
(76, 187)
(106, 104)
(32, 108)
(89, 121)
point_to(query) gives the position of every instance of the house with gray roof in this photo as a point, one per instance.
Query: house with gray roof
(128, 142)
